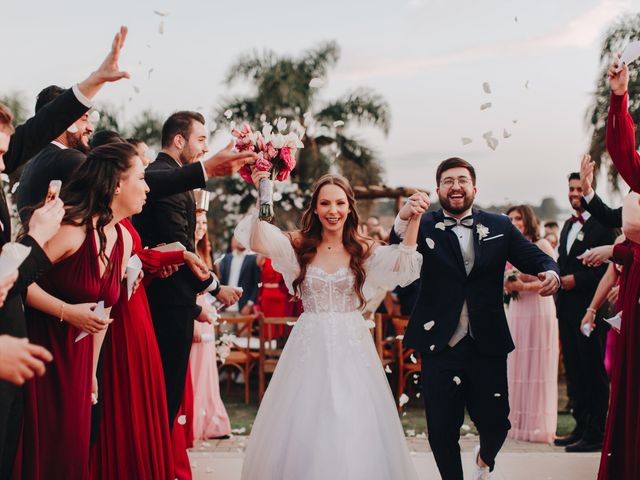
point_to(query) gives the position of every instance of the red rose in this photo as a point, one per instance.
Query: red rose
(245, 172)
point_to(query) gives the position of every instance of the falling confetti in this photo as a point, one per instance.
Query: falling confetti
(440, 226)
(497, 395)
(432, 348)
(466, 140)
(182, 420)
(291, 324)
(399, 337)
(514, 121)
(161, 14)
(492, 142)
(486, 87)
(403, 400)
(515, 19)
(387, 369)
(484, 106)
(136, 89)
(413, 358)
(526, 84)
(457, 380)
(238, 431)
(429, 325)
(506, 134)
(149, 73)
(430, 243)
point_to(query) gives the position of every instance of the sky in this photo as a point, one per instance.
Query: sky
(427, 58)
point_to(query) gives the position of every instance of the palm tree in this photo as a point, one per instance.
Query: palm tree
(288, 87)
(623, 31)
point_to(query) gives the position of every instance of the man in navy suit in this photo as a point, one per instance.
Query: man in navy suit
(240, 269)
(458, 323)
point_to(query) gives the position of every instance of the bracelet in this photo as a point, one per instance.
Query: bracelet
(62, 312)
(591, 310)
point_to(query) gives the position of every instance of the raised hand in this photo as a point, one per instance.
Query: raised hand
(21, 360)
(619, 81)
(416, 205)
(587, 168)
(45, 221)
(227, 162)
(109, 70)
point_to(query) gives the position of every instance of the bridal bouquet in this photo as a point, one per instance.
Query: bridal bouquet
(276, 155)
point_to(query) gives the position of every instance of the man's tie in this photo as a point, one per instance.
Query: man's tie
(577, 218)
(450, 222)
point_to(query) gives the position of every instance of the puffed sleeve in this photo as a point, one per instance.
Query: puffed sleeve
(267, 239)
(390, 266)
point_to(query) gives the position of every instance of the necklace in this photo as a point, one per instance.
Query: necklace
(329, 247)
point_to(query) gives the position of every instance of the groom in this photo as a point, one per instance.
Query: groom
(458, 322)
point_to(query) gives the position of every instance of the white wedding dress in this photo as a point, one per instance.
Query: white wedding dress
(328, 413)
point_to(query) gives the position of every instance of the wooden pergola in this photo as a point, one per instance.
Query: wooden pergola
(373, 192)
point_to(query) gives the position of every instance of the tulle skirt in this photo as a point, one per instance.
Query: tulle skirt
(329, 411)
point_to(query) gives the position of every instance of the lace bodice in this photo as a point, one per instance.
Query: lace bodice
(387, 267)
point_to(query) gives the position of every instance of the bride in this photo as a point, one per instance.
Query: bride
(329, 412)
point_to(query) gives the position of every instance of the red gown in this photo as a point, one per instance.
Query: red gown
(620, 459)
(182, 432)
(134, 439)
(273, 297)
(57, 415)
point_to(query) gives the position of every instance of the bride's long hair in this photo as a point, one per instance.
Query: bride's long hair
(306, 245)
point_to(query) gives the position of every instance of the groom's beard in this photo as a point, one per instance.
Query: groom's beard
(467, 202)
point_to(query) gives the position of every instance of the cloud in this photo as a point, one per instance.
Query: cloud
(581, 32)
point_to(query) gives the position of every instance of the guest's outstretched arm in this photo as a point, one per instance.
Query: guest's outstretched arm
(621, 140)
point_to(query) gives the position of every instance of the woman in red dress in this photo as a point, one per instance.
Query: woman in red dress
(620, 460)
(272, 296)
(89, 254)
(134, 439)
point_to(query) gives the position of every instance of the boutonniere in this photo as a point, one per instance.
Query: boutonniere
(482, 231)
(580, 236)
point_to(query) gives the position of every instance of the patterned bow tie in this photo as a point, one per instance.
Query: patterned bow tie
(577, 218)
(450, 222)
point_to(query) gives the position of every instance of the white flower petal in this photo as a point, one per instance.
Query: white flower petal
(432, 348)
(430, 243)
(440, 226)
(228, 113)
(429, 325)
(338, 123)
(387, 369)
(484, 106)
(497, 395)
(486, 87)
(316, 83)
(182, 420)
(466, 140)
(413, 358)
(457, 380)
(505, 134)
(403, 399)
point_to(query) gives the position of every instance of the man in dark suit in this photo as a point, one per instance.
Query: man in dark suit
(172, 219)
(240, 269)
(591, 202)
(458, 323)
(583, 355)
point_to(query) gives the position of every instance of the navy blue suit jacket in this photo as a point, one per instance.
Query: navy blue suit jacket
(249, 277)
(444, 284)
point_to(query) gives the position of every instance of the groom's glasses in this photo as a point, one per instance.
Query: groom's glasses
(448, 182)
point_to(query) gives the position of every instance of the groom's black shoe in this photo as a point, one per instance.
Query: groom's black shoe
(584, 446)
(567, 440)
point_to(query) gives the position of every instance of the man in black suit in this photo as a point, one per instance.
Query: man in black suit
(172, 219)
(458, 323)
(591, 202)
(588, 386)
(240, 269)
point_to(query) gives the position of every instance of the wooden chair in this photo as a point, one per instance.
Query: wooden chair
(385, 343)
(406, 367)
(242, 358)
(270, 349)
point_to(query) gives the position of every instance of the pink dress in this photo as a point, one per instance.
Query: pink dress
(210, 418)
(532, 368)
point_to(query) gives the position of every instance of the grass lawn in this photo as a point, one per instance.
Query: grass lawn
(413, 417)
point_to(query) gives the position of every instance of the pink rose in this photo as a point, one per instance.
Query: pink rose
(245, 172)
(287, 158)
(263, 164)
(269, 151)
(283, 175)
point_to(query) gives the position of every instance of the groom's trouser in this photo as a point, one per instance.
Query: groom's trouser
(482, 389)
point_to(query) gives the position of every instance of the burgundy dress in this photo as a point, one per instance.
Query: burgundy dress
(57, 416)
(620, 459)
(134, 439)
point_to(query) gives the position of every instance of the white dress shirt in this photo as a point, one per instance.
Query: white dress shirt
(237, 259)
(575, 230)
